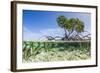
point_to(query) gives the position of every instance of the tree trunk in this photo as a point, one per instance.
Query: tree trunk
(66, 36)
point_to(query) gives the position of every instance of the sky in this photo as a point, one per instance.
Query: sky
(37, 24)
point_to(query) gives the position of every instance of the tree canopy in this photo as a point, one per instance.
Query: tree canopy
(70, 25)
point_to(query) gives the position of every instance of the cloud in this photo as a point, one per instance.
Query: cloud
(53, 32)
(30, 36)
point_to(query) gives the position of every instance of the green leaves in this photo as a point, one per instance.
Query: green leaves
(70, 24)
(61, 20)
(80, 27)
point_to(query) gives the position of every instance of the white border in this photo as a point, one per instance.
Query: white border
(21, 65)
